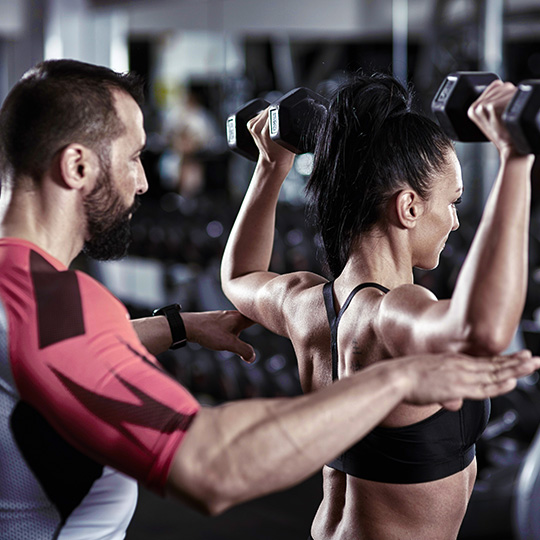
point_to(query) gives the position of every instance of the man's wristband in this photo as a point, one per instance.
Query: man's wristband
(176, 324)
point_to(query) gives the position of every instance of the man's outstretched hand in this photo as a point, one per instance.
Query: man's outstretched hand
(449, 378)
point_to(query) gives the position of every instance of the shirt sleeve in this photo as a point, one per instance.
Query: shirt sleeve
(83, 368)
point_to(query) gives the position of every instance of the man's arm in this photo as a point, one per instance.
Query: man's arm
(109, 399)
(216, 330)
(244, 450)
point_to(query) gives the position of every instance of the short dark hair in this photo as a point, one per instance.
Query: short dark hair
(54, 104)
(371, 144)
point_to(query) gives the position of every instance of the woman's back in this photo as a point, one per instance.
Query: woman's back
(355, 507)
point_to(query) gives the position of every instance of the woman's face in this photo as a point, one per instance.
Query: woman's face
(439, 218)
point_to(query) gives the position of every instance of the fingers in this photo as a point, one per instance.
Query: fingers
(498, 370)
(496, 92)
(521, 363)
(239, 347)
(259, 129)
(499, 378)
(486, 112)
(245, 351)
(234, 323)
(219, 330)
(453, 405)
(498, 389)
(235, 345)
(269, 150)
(525, 353)
(454, 377)
(478, 386)
(256, 124)
(524, 366)
(515, 365)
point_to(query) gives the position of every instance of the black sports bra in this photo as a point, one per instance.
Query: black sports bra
(438, 446)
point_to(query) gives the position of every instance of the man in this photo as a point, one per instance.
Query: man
(84, 407)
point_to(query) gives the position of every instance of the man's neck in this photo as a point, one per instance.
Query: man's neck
(49, 220)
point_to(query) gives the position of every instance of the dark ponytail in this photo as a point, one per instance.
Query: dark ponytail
(370, 145)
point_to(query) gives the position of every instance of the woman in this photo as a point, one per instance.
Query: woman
(384, 190)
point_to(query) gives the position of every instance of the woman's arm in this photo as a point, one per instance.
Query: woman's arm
(245, 278)
(486, 306)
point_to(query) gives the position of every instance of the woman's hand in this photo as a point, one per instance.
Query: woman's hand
(269, 151)
(486, 112)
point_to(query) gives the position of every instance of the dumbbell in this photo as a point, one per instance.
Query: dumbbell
(291, 119)
(521, 117)
(452, 100)
(239, 138)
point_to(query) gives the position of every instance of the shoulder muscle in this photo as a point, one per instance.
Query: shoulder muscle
(408, 317)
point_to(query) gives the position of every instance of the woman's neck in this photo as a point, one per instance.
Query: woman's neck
(379, 257)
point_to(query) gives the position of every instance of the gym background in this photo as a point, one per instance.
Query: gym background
(202, 60)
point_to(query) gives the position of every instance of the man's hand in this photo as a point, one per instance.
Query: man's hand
(219, 330)
(216, 330)
(439, 379)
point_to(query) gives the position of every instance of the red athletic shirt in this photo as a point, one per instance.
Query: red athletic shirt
(76, 361)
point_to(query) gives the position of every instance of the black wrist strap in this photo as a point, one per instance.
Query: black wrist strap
(176, 324)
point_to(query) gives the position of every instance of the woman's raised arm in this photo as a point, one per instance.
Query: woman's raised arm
(485, 309)
(245, 277)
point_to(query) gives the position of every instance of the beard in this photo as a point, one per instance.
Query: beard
(108, 220)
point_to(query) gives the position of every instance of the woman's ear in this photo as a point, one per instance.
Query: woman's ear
(409, 207)
(79, 167)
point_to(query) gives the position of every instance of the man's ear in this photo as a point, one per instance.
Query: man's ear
(79, 167)
(409, 207)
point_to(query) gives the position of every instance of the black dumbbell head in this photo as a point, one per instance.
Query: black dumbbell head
(293, 117)
(522, 117)
(453, 99)
(239, 138)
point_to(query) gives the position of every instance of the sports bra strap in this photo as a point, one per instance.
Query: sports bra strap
(333, 319)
